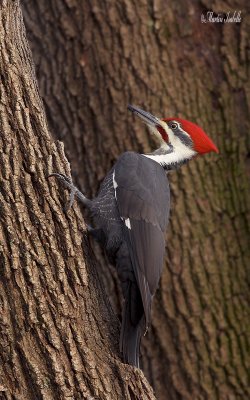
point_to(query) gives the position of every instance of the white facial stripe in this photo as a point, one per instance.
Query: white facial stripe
(180, 128)
(178, 155)
(180, 151)
(171, 133)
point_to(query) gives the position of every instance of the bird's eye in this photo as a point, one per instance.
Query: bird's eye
(174, 125)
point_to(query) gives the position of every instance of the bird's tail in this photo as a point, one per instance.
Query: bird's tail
(133, 327)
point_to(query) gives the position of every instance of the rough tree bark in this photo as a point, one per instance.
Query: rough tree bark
(58, 334)
(94, 57)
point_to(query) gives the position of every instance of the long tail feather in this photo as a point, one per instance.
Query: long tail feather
(133, 327)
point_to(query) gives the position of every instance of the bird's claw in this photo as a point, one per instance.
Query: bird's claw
(62, 178)
(71, 198)
(67, 182)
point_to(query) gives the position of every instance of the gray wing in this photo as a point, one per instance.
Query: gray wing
(142, 195)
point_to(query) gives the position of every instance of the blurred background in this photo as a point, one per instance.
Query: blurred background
(92, 59)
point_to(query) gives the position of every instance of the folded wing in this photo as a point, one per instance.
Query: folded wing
(142, 194)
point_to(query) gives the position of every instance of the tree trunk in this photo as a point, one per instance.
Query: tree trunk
(58, 334)
(94, 57)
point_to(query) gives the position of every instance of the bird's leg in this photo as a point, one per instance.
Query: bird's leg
(67, 182)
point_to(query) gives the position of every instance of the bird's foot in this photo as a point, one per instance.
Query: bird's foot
(74, 192)
(67, 182)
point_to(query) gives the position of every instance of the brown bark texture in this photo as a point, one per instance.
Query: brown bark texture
(58, 333)
(92, 59)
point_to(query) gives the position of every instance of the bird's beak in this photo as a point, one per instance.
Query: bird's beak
(146, 117)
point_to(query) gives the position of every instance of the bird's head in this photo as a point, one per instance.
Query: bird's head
(180, 140)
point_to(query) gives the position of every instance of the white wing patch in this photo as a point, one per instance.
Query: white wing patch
(127, 223)
(115, 184)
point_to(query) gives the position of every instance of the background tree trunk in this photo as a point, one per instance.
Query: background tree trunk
(58, 334)
(94, 57)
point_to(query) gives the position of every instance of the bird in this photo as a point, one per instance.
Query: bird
(131, 214)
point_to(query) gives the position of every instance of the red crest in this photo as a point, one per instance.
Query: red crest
(202, 143)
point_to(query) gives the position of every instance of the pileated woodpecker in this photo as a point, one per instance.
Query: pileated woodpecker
(131, 214)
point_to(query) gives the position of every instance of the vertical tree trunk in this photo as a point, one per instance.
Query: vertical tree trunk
(58, 334)
(93, 58)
